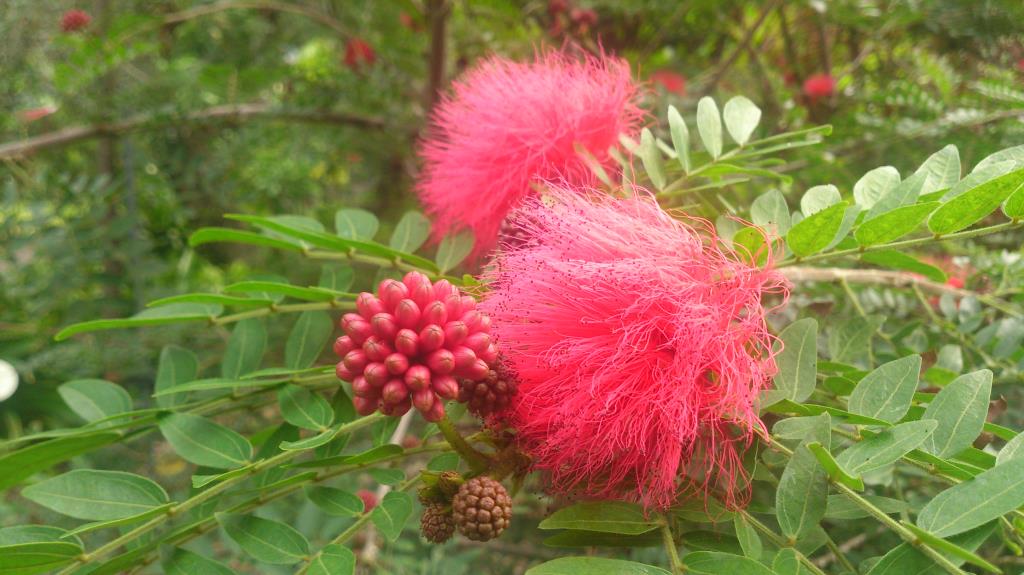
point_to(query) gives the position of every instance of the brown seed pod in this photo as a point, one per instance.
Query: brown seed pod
(482, 509)
(437, 524)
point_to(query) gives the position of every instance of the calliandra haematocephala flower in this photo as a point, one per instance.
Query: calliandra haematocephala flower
(508, 125)
(640, 345)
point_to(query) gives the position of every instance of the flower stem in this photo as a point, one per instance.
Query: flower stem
(477, 461)
(670, 546)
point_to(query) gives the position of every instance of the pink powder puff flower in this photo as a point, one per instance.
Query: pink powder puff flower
(640, 344)
(508, 125)
(819, 86)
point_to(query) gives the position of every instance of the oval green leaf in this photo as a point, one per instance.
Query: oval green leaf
(594, 566)
(893, 224)
(97, 495)
(265, 540)
(95, 399)
(303, 408)
(307, 339)
(960, 408)
(392, 513)
(886, 392)
(975, 502)
(973, 205)
(204, 442)
(602, 516)
(245, 348)
(815, 233)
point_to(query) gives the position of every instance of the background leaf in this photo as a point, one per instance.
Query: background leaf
(307, 339)
(709, 126)
(245, 348)
(265, 540)
(97, 495)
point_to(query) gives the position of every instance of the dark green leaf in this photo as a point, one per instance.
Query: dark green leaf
(802, 494)
(212, 298)
(177, 365)
(602, 516)
(23, 463)
(334, 501)
(886, 392)
(245, 348)
(184, 562)
(715, 563)
(960, 408)
(797, 362)
(303, 408)
(265, 540)
(893, 224)
(204, 442)
(900, 261)
(814, 233)
(95, 399)
(302, 293)
(333, 559)
(391, 514)
(886, 446)
(355, 224)
(97, 495)
(307, 339)
(973, 205)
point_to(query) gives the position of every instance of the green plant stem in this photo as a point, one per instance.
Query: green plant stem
(670, 546)
(477, 461)
(355, 527)
(840, 556)
(378, 261)
(883, 518)
(780, 542)
(192, 530)
(976, 232)
(283, 308)
(206, 495)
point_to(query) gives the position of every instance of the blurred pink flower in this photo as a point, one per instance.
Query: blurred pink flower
(819, 86)
(640, 345)
(74, 20)
(509, 125)
(673, 82)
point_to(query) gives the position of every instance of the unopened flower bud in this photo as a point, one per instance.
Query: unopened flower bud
(478, 342)
(453, 304)
(445, 386)
(362, 388)
(376, 374)
(407, 342)
(423, 294)
(472, 320)
(396, 410)
(343, 345)
(443, 288)
(490, 355)
(434, 313)
(455, 333)
(417, 378)
(407, 314)
(423, 400)
(348, 319)
(394, 392)
(467, 303)
(376, 349)
(368, 305)
(365, 406)
(384, 325)
(464, 358)
(413, 280)
(436, 412)
(431, 338)
(441, 361)
(396, 363)
(355, 360)
(391, 292)
(343, 372)
(475, 372)
(358, 331)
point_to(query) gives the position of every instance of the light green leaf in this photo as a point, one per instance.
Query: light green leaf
(95, 399)
(875, 184)
(975, 502)
(303, 408)
(887, 446)
(37, 557)
(391, 514)
(896, 260)
(323, 438)
(905, 559)
(97, 495)
(893, 224)
(813, 234)
(977, 178)
(333, 559)
(23, 463)
(769, 211)
(832, 467)
(1013, 207)
(941, 170)
(717, 563)
(651, 158)
(163, 315)
(960, 408)
(355, 224)
(973, 205)
(741, 118)
(184, 562)
(453, 249)
(336, 278)
(333, 501)
(204, 442)
(886, 392)
(818, 198)
(177, 365)
(949, 548)
(1012, 449)
(786, 562)
(709, 126)
(410, 233)
(245, 348)
(307, 339)
(797, 362)
(747, 535)
(265, 540)
(16, 534)
(842, 507)
(593, 566)
(212, 298)
(904, 193)
(602, 516)
(297, 292)
(802, 495)
(217, 235)
(1014, 155)
(680, 137)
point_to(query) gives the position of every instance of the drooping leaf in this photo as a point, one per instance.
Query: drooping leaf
(307, 339)
(245, 348)
(886, 392)
(97, 495)
(741, 118)
(392, 513)
(264, 539)
(802, 495)
(95, 399)
(797, 362)
(960, 408)
(602, 516)
(709, 126)
(204, 442)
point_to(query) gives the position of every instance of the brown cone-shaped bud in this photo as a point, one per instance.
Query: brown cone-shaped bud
(482, 509)
(490, 395)
(437, 525)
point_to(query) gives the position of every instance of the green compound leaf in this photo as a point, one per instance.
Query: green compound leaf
(95, 399)
(971, 206)
(960, 408)
(265, 540)
(204, 442)
(391, 515)
(815, 233)
(797, 363)
(886, 392)
(594, 566)
(307, 339)
(975, 502)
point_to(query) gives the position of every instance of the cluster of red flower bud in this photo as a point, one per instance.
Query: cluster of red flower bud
(407, 345)
(74, 20)
(359, 53)
(567, 18)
